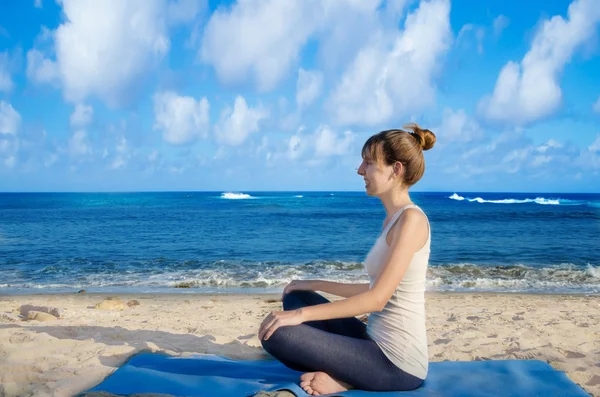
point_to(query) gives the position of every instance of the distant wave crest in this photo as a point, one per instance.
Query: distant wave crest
(236, 196)
(537, 200)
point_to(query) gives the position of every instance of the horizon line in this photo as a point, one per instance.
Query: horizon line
(283, 191)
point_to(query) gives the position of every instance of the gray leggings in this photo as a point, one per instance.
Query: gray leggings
(339, 347)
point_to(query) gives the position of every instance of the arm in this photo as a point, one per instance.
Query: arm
(410, 233)
(345, 290)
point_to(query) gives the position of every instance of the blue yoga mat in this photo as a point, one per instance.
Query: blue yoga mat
(208, 376)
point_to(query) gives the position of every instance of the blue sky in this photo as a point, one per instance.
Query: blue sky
(270, 95)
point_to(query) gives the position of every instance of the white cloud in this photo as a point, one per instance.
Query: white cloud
(484, 162)
(589, 158)
(9, 148)
(121, 145)
(184, 11)
(181, 118)
(50, 160)
(541, 160)
(349, 25)
(263, 145)
(106, 48)
(513, 159)
(82, 115)
(551, 144)
(38, 4)
(327, 142)
(391, 77)
(530, 91)
(308, 87)
(122, 154)
(9, 119)
(40, 69)
(457, 127)
(6, 83)
(79, 145)
(237, 124)
(596, 106)
(478, 32)
(317, 147)
(500, 23)
(117, 163)
(261, 38)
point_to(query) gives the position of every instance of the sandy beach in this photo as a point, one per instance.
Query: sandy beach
(69, 354)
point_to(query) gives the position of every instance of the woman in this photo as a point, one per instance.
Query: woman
(324, 339)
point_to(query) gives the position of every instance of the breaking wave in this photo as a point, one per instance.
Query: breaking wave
(236, 196)
(537, 200)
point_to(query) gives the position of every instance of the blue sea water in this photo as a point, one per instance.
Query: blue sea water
(256, 242)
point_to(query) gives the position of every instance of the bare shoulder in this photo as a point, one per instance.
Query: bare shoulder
(413, 222)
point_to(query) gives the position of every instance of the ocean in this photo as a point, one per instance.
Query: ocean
(232, 242)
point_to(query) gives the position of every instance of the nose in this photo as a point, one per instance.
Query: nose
(360, 170)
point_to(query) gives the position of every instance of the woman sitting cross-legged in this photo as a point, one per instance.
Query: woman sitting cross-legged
(324, 339)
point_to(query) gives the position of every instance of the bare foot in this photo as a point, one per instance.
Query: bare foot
(317, 383)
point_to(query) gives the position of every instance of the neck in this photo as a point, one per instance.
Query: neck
(394, 200)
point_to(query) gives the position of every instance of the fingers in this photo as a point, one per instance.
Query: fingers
(272, 328)
(266, 326)
(262, 328)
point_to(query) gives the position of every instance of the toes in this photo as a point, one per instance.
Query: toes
(307, 376)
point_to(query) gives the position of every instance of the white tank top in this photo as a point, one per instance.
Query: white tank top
(399, 329)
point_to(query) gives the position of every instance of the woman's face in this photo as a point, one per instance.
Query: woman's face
(379, 178)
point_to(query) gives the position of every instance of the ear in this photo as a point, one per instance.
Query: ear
(398, 168)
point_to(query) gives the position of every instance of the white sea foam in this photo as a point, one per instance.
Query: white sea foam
(236, 196)
(593, 271)
(224, 275)
(456, 197)
(537, 200)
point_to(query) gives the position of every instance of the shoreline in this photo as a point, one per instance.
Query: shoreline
(68, 355)
(270, 294)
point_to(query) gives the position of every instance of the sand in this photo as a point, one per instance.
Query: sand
(67, 355)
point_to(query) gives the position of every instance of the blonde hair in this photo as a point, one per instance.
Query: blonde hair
(407, 147)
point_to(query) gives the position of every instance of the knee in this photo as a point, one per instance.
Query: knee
(297, 299)
(279, 340)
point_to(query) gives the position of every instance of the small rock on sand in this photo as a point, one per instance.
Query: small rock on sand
(40, 316)
(112, 304)
(133, 302)
(24, 309)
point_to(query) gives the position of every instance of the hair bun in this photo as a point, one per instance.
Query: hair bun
(425, 138)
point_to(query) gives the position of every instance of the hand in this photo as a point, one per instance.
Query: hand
(298, 285)
(279, 319)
